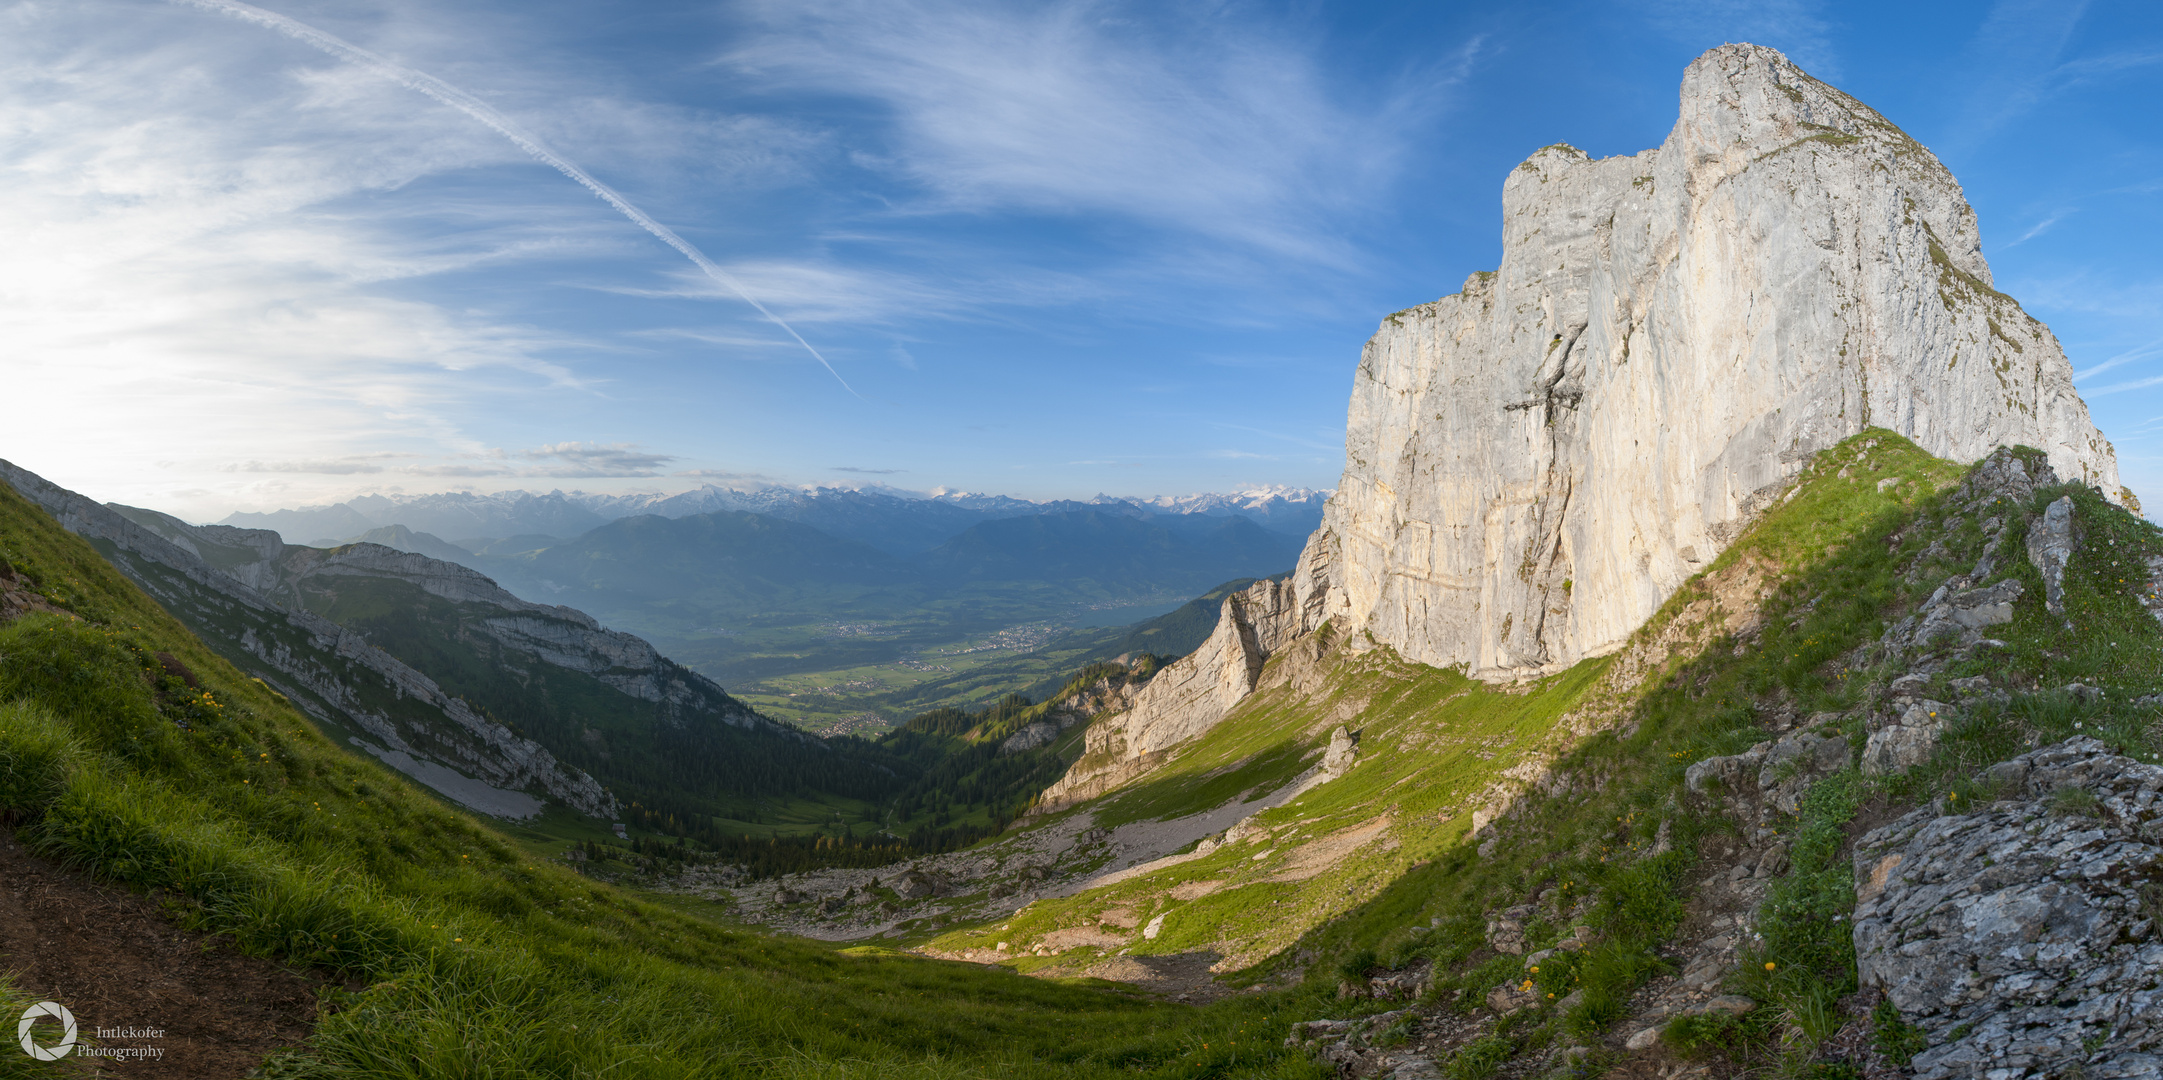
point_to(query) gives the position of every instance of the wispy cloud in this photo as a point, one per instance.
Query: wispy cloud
(825, 290)
(469, 471)
(444, 93)
(722, 474)
(612, 459)
(319, 468)
(2018, 56)
(184, 253)
(2119, 388)
(1213, 127)
(2150, 351)
(2043, 226)
(565, 461)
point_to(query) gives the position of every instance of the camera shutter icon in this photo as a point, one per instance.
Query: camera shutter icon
(38, 1012)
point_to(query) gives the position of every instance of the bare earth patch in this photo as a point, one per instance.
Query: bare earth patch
(116, 961)
(1315, 857)
(1082, 937)
(1180, 976)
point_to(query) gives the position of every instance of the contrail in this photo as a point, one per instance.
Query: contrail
(479, 110)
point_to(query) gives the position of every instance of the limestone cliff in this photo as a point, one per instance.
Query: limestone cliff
(1535, 463)
(1187, 697)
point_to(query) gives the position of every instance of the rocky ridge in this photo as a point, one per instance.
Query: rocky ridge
(558, 636)
(329, 671)
(1535, 463)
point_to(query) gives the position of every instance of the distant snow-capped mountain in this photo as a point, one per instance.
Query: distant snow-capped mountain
(900, 522)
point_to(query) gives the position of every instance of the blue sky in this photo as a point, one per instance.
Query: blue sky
(1052, 249)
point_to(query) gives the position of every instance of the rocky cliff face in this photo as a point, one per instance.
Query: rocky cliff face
(332, 673)
(1534, 464)
(1189, 696)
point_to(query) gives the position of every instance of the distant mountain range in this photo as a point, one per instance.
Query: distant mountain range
(862, 597)
(899, 523)
(737, 566)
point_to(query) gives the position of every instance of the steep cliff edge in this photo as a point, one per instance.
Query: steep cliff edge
(1534, 464)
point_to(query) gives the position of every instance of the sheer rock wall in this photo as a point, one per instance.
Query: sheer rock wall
(1534, 464)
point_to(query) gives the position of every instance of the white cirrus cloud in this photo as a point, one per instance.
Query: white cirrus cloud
(1210, 125)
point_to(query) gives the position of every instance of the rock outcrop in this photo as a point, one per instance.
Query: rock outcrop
(1188, 696)
(2022, 937)
(1113, 692)
(332, 673)
(2050, 545)
(1770, 779)
(1535, 463)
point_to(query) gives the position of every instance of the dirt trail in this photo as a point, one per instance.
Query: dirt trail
(116, 961)
(1179, 976)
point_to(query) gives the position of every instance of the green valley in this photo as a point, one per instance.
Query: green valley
(838, 636)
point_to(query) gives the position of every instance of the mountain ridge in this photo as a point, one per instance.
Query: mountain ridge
(318, 664)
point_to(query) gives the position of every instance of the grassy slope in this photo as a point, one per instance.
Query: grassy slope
(1614, 829)
(2107, 638)
(1434, 740)
(477, 959)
